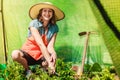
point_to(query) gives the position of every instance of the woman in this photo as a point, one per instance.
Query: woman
(39, 46)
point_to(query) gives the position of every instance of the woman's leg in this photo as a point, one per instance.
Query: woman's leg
(17, 55)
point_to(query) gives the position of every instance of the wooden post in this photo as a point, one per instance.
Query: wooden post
(4, 34)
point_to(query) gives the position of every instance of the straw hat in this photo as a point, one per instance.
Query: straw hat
(34, 10)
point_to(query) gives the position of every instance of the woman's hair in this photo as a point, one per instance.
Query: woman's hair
(52, 20)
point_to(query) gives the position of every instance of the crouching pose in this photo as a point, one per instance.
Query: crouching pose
(42, 32)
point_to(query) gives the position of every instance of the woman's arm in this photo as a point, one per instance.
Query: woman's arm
(51, 48)
(40, 43)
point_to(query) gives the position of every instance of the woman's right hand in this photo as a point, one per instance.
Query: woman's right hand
(51, 67)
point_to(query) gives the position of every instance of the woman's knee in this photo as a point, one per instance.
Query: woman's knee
(15, 54)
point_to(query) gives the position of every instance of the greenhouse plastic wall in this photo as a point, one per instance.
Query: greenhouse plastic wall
(80, 15)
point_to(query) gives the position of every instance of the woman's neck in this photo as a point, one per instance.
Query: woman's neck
(45, 24)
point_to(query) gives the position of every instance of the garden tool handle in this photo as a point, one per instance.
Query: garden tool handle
(80, 68)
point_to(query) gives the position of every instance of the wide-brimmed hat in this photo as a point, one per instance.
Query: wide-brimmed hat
(34, 10)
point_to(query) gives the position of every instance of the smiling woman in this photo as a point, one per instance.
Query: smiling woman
(39, 46)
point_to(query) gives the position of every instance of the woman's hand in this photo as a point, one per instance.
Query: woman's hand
(52, 63)
(53, 59)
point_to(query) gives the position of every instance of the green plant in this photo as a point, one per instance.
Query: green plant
(15, 71)
(96, 72)
(104, 75)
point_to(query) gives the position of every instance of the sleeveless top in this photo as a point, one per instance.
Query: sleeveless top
(30, 46)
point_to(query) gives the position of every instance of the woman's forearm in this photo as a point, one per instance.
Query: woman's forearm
(53, 54)
(40, 43)
(45, 53)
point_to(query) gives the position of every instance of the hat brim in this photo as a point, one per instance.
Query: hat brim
(34, 11)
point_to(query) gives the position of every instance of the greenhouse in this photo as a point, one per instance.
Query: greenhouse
(75, 49)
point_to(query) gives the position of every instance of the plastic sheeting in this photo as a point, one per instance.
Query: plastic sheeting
(79, 17)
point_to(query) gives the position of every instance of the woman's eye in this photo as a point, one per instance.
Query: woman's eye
(44, 10)
(50, 11)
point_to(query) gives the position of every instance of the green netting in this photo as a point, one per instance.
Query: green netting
(69, 45)
(108, 23)
(80, 15)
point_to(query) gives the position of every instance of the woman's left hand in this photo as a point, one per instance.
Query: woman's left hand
(53, 58)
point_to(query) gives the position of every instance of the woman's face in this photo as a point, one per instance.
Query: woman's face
(47, 14)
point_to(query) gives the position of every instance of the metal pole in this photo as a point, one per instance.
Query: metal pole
(4, 34)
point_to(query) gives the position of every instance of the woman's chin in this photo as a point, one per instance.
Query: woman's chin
(46, 19)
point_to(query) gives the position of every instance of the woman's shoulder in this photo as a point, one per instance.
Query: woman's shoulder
(54, 25)
(35, 23)
(54, 28)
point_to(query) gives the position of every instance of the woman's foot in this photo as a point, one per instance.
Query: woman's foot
(28, 74)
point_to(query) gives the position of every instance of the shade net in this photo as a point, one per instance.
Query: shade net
(95, 16)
